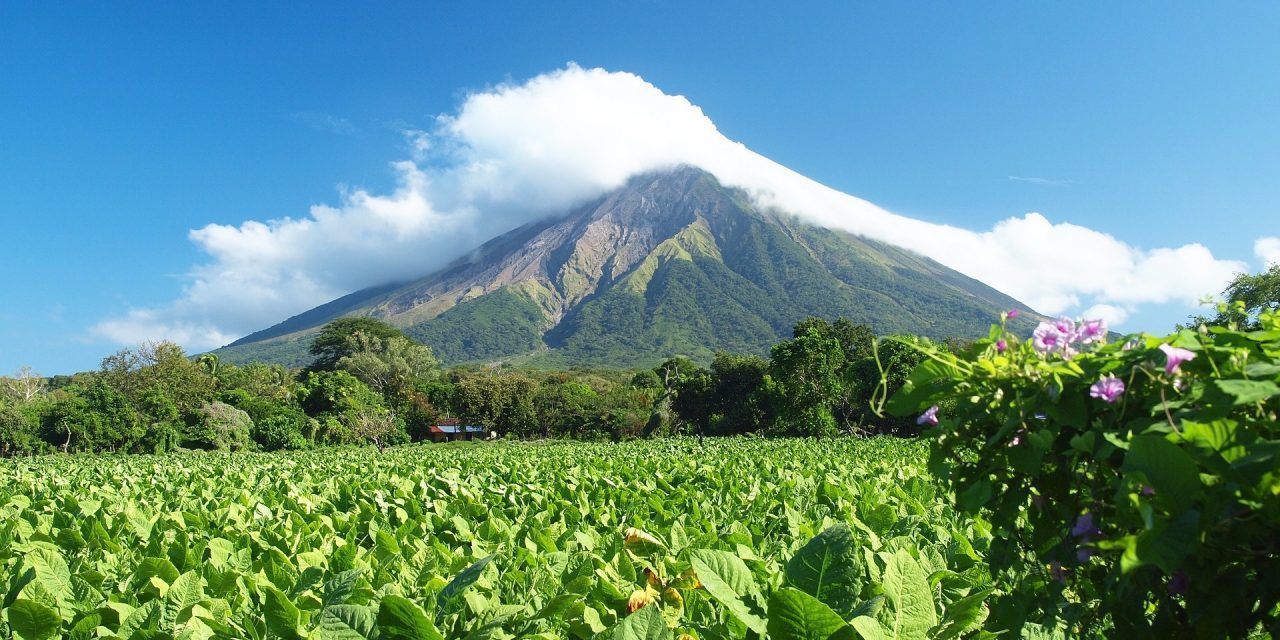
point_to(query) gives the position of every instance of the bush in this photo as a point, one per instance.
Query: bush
(1133, 488)
(220, 426)
(18, 434)
(279, 431)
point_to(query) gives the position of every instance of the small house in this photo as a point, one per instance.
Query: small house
(449, 429)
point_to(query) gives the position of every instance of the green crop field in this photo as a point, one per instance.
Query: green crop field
(715, 539)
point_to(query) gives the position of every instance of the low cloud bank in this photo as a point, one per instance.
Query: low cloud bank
(519, 152)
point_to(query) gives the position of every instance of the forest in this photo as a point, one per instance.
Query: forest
(369, 383)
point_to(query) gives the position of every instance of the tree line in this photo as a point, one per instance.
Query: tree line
(370, 383)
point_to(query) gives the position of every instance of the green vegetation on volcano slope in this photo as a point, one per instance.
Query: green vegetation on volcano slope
(640, 540)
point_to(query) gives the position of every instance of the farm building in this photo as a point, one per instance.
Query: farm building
(447, 429)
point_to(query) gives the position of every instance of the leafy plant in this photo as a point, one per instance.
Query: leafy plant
(1133, 488)
(729, 538)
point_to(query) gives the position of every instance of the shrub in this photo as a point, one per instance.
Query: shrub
(220, 426)
(17, 432)
(1138, 480)
(282, 430)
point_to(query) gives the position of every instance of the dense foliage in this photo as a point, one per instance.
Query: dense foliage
(1133, 487)
(727, 538)
(370, 383)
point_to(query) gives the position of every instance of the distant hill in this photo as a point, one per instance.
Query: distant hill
(670, 263)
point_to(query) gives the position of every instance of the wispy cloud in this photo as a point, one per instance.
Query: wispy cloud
(1043, 182)
(325, 122)
(1268, 250)
(519, 152)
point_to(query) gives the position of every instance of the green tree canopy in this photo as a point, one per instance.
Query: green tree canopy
(334, 341)
(1246, 296)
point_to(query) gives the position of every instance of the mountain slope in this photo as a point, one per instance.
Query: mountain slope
(671, 263)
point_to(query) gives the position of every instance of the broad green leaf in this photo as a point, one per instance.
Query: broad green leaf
(796, 615)
(910, 613)
(557, 606)
(347, 622)
(401, 619)
(52, 574)
(1169, 470)
(282, 616)
(144, 617)
(338, 588)
(85, 628)
(32, 620)
(727, 579)
(646, 623)
(461, 581)
(1165, 545)
(868, 628)
(196, 629)
(829, 568)
(186, 590)
(962, 616)
(1246, 392)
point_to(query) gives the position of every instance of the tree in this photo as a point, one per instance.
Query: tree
(375, 425)
(806, 381)
(92, 418)
(334, 398)
(388, 365)
(24, 386)
(158, 366)
(17, 432)
(333, 342)
(221, 426)
(679, 377)
(735, 399)
(1245, 297)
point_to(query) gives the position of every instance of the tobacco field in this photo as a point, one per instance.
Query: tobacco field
(728, 538)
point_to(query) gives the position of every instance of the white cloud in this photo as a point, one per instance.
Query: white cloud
(517, 152)
(1112, 314)
(1268, 250)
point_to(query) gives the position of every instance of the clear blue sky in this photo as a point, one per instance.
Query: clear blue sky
(122, 126)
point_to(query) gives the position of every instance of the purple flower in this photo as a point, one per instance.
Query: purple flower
(1083, 554)
(1067, 327)
(1013, 313)
(1047, 338)
(1093, 331)
(1001, 345)
(929, 417)
(1177, 583)
(1147, 490)
(1108, 389)
(1084, 526)
(1174, 357)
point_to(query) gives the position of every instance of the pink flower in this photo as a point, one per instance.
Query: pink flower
(1047, 338)
(1174, 357)
(929, 417)
(1067, 327)
(1108, 389)
(1013, 313)
(1093, 331)
(1001, 345)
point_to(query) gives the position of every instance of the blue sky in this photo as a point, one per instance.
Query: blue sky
(124, 127)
